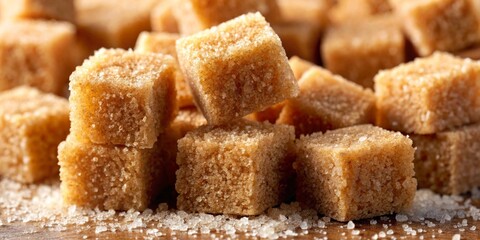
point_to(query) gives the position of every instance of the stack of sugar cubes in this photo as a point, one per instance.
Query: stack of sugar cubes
(121, 103)
(437, 101)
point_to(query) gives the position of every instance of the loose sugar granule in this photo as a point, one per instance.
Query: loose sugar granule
(41, 205)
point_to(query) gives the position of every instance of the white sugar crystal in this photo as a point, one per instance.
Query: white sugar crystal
(100, 229)
(382, 234)
(356, 232)
(373, 222)
(401, 218)
(456, 237)
(350, 225)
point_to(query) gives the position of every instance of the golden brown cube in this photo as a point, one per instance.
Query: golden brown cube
(236, 68)
(447, 162)
(197, 15)
(353, 10)
(32, 124)
(355, 172)
(271, 114)
(113, 23)
(162, 17)
(299, 66)
(327, 101)
(309, 12)
(165, 43)
(439, 25)
(358, 50)
(36, 53)
(299, 40)
(63, 10)
(109, 176)
(473, 53)
(429, 94)
(240, 168)
(123, 97)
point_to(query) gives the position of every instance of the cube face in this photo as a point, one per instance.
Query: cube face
(107, 177)
(38, 9)
(358, 50)
(122, 97)
(428, 95)
(196, 15)
(446, 162)
(32, 125)
(310, 12)
(252, 68)
(162, 17)
(240, 168)
(165, 43)
(356, 172)
(447, 25)
(352, 10)
(299, 39)
(33, 53)
(113, 23)
(299, 66)
(327, 101)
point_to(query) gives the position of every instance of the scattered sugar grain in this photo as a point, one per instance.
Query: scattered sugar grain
(456, 237)
(350, 225)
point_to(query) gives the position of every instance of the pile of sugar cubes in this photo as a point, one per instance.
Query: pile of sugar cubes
(227, 106)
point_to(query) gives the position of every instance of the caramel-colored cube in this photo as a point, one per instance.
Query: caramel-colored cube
(299, 66)
(36, 53)
(439, 25)
(447, 162)
(353, 10)
(358, 50)
(108, 176)
(327, 101)
(122, 97)
(32, 124)
(165, 43)
(240, 168)
(196, 15)
(299, 40)
(310, 12)
(113, 23)
(63, 10)
(271, 114)
(355, 172)
(162, 17)
(429, 94)
(236, 68)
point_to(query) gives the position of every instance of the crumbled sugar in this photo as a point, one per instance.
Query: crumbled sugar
(456, 237)
(41, 204)
(350, 225)
(401, 218)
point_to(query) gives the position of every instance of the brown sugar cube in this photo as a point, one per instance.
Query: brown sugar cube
(429, 94)
(108, 176)
(236, 68)
(447, 162)
(353, 10)
(240, 168)
(165, 43)
(38, 9)
(358, 50)
(191, 117)
(299, 40)
(32, 124)
(162, 17)
(439, 25)
(299, 66)
(113, 23)
(36, 53)
(197, 15)
(310, 12)
(327, 101)
(122, 97)
(271, 114)
(355, 172)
